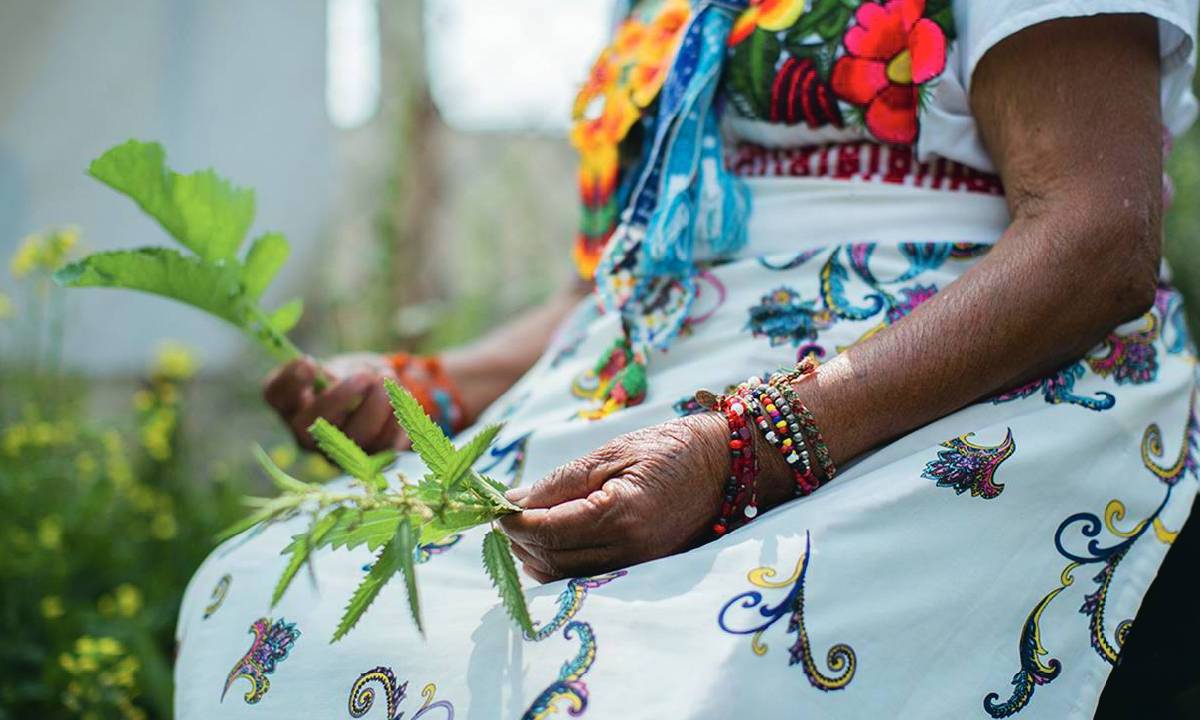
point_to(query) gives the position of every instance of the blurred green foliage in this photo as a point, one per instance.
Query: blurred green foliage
(104, 518)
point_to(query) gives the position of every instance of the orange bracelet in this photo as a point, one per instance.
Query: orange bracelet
(435, 391)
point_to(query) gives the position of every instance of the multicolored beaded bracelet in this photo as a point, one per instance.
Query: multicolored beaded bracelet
(810, 432)
(743, 467)
(779, 428)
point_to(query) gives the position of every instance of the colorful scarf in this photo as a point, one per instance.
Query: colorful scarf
(677, 193)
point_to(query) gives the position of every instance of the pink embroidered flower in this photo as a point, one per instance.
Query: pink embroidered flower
(890, 52)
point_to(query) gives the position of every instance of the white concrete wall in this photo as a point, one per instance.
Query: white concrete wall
(238, 85)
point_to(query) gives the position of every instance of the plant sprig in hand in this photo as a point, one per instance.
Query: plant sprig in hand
(450, 499)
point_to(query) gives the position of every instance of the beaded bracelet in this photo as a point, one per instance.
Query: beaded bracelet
(432, 388)
(777, 422)
(809, 430)
(743, 465)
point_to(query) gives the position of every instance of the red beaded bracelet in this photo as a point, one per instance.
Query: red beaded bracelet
(432, 388)
(740, 491)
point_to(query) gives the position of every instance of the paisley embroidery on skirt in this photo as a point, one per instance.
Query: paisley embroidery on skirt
(1033, 670)
(840, 659)
(219, 591)
(570, 685)
(273, 640)
(965, 465)
(362, 696)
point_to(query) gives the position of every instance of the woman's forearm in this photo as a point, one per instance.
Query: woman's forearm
(484, 369)
(1083, 180)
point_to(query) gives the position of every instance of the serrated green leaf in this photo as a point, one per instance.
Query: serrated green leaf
(203, 211)
(372, 528)
(406, 545)
(470, 452)
(282, 480)
(301, 549)
(387, 564)
(461, 518)
(428, 440)
(381, 460)
(492, 491)
(498, 561)
(344, 452)
(265, 258)
(286, 316)
(210, 287)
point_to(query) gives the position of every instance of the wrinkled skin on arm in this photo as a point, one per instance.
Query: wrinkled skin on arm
(1069, 111)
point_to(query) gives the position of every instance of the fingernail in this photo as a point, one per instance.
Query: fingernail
(516, 495)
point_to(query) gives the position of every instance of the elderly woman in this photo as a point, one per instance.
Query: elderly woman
(943, 221)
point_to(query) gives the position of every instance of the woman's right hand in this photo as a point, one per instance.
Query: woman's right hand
(354, 399)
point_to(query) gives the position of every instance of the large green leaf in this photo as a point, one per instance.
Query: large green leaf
(466, 456)
(211, 287)
(300, 549)
(372, 528)
(463, 517)
(265, 258)
(286, 316)
(387, 564)
(203, 211)
(406, 545)
(347, 454)
(498, 561)
(427, 438)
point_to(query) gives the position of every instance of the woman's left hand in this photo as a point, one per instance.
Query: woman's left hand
(644, 495)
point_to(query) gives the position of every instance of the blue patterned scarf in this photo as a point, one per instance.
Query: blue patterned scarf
(680, 194)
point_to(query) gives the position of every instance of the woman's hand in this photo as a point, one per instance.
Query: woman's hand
(644, 495)
(354, 399)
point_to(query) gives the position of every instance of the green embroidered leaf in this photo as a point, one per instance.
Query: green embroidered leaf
(406, 545)
(282, 480)
(203, 211)
(942, 13)
(210, 287)
(345, 453)
(286, 317)
(751, 72)
(833, 25)
(387, 564)
(372, 528)
(301, 549)
(266, 257)
(427, 438)
(466, 456)
(498, 561)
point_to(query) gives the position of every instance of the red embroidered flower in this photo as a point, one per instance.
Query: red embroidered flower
(890, 52)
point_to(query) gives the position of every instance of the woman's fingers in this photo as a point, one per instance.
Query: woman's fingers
(575, 524)
(545, 565)
(289, 386)
(335, 405)
(577, 479)
(367, 425)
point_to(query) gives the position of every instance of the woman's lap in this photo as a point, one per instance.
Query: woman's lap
(919, 573)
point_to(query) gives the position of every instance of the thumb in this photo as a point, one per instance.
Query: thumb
(577, 479)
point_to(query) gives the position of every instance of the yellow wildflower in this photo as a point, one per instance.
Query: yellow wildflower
(283, 455)
(50, 532)
(175, 361)
(128, 600)
(318, 468)
(163, 526)
(15, 438)
(25, 259)
(67, 662)
(109, 646)
(52, 607)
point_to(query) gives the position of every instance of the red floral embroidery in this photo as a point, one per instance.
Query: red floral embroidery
(890, 52)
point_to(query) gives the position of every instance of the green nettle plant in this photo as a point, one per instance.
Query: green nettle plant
(210, 217)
